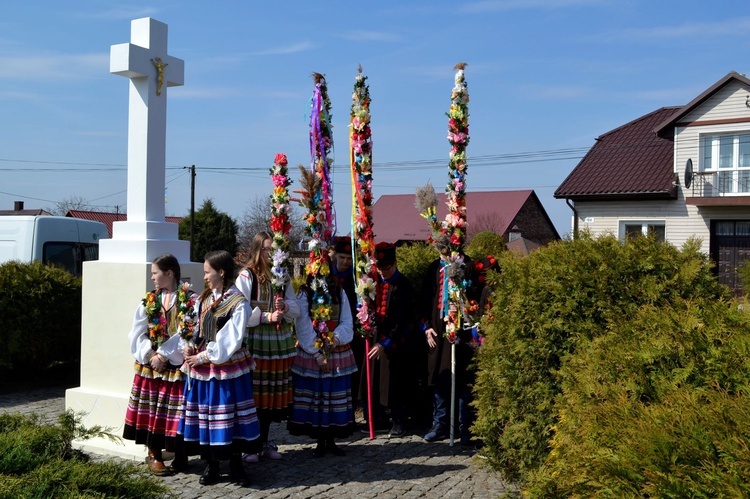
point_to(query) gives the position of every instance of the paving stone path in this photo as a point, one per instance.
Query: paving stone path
(403, 467)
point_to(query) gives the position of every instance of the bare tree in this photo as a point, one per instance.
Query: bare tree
(74, 202)
(257, 218)
(486, 222)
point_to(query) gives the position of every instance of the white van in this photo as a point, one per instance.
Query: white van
(63, 241)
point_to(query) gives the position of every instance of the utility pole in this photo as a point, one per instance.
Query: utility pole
(192, 210)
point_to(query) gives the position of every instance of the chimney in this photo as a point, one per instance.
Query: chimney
(17, 205)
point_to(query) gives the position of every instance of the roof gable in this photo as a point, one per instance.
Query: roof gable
(665, 129)
(396, 218)
(629, 161)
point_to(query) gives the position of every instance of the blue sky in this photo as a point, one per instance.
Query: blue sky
(545, 77)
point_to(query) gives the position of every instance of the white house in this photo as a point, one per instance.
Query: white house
(677, 172)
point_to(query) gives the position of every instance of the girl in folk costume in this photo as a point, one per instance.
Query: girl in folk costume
(220, 420)
(271, 342)
(155, 404)
(323, 407)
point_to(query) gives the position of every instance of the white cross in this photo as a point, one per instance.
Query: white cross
(151, 70)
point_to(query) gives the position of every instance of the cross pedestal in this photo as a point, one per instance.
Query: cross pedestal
(114, 285)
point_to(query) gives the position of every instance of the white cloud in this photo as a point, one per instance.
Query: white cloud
(121, 12)
(286, 49)
(53, 66)
(280, 94)
(204, 92)
(371, 36)
(433, 72)
(504, 5)
(730, 27)
(95, 133)
(556, 92)
(26, 96)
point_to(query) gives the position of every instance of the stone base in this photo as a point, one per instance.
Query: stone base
(138, 242)
(111, 294)
(106, 410)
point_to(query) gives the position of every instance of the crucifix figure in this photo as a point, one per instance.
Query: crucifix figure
(159, 65)
(147, 117)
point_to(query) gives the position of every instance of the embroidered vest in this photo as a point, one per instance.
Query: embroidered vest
(261, 294)
(335, 312)
(213, 319)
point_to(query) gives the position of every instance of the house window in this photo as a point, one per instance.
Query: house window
(729, 156)
(630, 229)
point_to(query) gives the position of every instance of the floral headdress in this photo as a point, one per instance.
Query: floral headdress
(449, 236)
(280, 262)
(317, 196)
(360, 159)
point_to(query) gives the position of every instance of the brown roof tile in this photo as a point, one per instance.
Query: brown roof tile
(36, 212)
(629, 161)
(108, 218)
(395, 217)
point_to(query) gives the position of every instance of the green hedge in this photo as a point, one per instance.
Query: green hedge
(41, 307)
(657, 406)
(550, 304)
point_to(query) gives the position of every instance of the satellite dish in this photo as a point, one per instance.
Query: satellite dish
(688, 172)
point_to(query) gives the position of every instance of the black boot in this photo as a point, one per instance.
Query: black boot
(179, 463)
(334, 449)
(237, 471)
(210, 475)
(320, 449)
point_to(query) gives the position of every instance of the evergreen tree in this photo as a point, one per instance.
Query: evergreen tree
(214, 230)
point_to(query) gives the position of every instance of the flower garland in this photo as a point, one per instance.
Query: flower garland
(450, 235)
(360, 158)
(186, 313)
(158, 330)
(157, 323)
(317, 199)
(280, 261)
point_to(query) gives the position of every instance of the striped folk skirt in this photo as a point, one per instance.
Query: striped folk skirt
(220, 417)
(274, 351)
(155, 407)
(322, 404)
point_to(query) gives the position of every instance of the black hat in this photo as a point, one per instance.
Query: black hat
(342, 244)
(385, 254)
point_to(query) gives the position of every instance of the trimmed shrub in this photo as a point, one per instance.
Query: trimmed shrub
(42, 315)
(657, 406)
(485, 243)
(413, 261)
(547, 304)
(37, 461)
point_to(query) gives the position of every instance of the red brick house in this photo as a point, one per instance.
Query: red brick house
(515, 215)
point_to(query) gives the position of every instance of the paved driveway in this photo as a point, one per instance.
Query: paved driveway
(403, 467)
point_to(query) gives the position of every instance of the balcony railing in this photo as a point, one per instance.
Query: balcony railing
(722, 183)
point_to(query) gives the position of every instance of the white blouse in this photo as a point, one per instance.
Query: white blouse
(140, 344)
(229, 338)
(244, 283)
(306, 335)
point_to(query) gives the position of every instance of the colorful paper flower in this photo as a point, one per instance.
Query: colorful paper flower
(360, 160)
(317, 198)
(280, 263)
